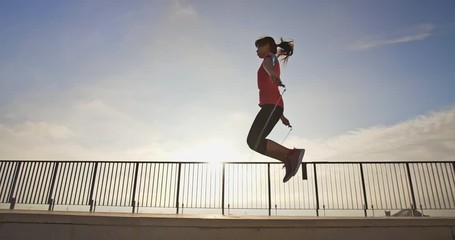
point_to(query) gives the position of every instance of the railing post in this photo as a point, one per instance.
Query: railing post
(92, 188)
(269, 189)
(411, 187)
(365, 208)
(50, 201)
(223, 188)
(178, 188)
(12, 199)
(316, 190)
(133, 200)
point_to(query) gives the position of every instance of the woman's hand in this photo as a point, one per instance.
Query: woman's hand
(285, 121)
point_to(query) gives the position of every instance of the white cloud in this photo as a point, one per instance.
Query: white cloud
(417, 33)
(428, 137)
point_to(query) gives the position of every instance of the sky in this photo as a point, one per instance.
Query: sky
(176, 80)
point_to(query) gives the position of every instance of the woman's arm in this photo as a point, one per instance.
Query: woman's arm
(268, 66)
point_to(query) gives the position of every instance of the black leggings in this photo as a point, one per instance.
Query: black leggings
(257, 140)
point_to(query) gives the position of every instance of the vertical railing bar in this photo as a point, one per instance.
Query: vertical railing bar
(85, 175)
(338, 185)
(76, 185)
(436, 187)
(133, 195)
(30, 183)
(160, 183)
(346, 181)
(411, 186)
(125, 185)
(372, 182)
(60, 191)
(352, 182)
(357, 181)
(107, 182)
(445, 194)
(448, 183)
(157, 178)
(365, 200)
(92, 188)
(72, 183)
(117, 184)
(432, 200)
(65, 170)
(165, 186)
(85, 199)
(196, 181)
(177, 202)
(140, 194)
(35, 196)
(51, 188)
(151, 166)
(398, 179)
(39, 195)
(112, 184)
(120, 176)
(188, 184)
(65, 184)
(170, 187)
(172, 182)
(24, 177)
(6, 174)
(12, 191)
(223, 189)
(381, 190)
(48, 175)
(206, 184)
(394, 180)
(316, 188)
(81, 184)
(4, 178)
(35, 183)
(151, 177)
(269, 186)
(426, 185)
(404, 188)
(388, 193)
(156, 184)
(201, 177)
(103, 183)
(116, 188)
(452, 178)
(420, 185)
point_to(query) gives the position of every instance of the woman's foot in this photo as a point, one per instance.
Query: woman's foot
(289, 165)
(295, 158)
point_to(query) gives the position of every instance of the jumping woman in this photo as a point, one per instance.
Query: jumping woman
(272, 106)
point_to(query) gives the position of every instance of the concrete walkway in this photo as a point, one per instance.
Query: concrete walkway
(16, 224)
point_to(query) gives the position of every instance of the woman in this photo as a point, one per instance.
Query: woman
(272, 106)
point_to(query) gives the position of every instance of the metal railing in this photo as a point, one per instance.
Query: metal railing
(357, 186)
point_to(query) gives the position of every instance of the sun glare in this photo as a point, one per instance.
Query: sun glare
(212, 152)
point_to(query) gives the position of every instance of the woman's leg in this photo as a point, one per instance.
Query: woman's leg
(276, 151)
(263, 124)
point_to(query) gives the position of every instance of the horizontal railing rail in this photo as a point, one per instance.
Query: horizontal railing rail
(351, 186)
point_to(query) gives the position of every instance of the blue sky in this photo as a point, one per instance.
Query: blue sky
(176, 80)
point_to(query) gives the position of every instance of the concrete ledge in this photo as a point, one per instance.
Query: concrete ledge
(16, 224)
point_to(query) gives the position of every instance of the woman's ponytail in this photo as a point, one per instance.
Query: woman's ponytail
(286, 49)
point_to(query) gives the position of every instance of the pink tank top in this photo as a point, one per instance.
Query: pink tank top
(268, 91)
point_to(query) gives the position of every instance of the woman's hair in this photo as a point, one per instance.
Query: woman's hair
(286, 48)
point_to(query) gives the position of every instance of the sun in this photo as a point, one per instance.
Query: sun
(211, 151)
